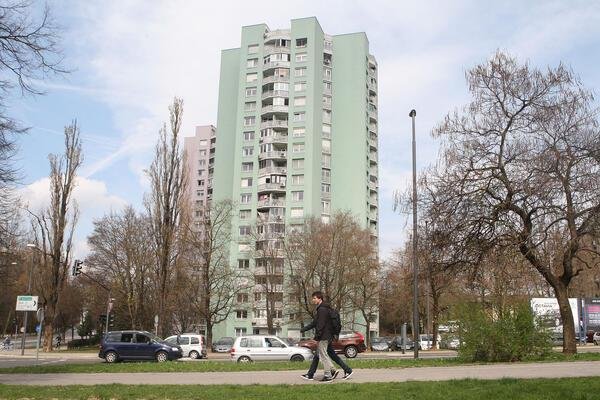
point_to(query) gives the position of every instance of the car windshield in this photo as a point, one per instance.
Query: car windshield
(154, 337)
(225, 341)
(378, 340)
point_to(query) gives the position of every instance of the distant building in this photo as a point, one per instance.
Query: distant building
(200, 159)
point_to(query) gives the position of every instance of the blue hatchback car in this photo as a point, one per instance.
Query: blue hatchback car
(136, 345)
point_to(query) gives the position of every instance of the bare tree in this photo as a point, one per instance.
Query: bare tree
(54, 227)
(121, 258)
(522, 168)
(207, 242)
(164, 205)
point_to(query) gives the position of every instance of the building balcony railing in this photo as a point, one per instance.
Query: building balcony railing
(275, 78)
(277, 138)
(326, 195)
(274, 109)
(262, 322)
(271, 219)
(270, 49)
(274, 123)
(274, 288)
(275, 93)
(282, 155)
(327, 106)
(372, 142)
(326, 91)
(276, 64)
(272, 171)
(271, 187)
(270, 203)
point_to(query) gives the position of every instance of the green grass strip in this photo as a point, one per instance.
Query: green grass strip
(513, 389)
(228, 366)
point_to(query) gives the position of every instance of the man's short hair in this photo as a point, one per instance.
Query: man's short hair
(318, 294)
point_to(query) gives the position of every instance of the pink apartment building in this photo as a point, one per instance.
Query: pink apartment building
(200, 153)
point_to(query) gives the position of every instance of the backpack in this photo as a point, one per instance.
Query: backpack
(336, 322)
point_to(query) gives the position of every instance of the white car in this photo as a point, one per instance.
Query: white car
(426, 342)
(596, 338)
(192, 345)
(267, 348)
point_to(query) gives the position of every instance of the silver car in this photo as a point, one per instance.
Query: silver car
(267, 348)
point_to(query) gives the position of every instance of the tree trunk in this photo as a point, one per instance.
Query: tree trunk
(566, 314)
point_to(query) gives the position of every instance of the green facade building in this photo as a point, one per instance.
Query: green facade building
(297, 137)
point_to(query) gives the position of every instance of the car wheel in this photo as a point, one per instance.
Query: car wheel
(244, 359)
(297, 358)
(596, 342)
(194, 354)
(350, 351)
(162, 356)
(111, 357)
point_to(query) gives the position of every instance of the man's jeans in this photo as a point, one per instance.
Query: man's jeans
(334, 357)
(322, 351)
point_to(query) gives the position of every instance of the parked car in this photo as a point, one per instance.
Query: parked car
(426, 341)
(136, 345)
(266, 348)
(396, 344)
(596, 338)
(350, 343)
(223, 345)
(452, 343)
(192, 345)
(381, 343)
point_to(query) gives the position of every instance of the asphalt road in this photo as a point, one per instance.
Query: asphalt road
(492, 371)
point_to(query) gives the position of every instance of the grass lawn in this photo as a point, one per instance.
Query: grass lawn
(513, 389)
(228, 366)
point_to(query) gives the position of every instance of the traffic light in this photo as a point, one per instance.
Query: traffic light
(102, 319)
(77, 266)
(111, 320)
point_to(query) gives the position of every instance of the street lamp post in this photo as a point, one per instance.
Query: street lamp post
(31, 246)
(415, 263)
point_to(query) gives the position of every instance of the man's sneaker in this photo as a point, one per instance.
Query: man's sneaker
(347, 374)
(326, 379)
(307, 377)
(334, 374)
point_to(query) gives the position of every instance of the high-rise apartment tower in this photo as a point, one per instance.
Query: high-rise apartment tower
(297, 137)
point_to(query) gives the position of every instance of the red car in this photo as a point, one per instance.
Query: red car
(350, 343)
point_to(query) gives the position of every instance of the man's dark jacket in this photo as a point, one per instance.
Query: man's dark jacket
(322, 323)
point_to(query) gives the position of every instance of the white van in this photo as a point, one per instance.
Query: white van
(192, 345)
(426, 342)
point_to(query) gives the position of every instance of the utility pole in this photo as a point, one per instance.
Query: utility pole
(415, 263)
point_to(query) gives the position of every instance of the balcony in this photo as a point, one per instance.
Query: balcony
(270, 49)
(274, 123)
(274, 288)
(262, 322)
(271, 219)
(278, 155)
(275, 93)
(272, 187)
(272, 171)
(275, 78)
(271, 109)
(276, 64)
(277, 138)
(268, 203)
(326, 195)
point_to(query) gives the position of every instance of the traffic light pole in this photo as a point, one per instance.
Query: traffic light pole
(108, 310)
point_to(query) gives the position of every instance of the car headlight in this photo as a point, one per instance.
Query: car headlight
(175, 348)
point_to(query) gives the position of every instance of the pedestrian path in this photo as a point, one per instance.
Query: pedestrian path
(491, 371)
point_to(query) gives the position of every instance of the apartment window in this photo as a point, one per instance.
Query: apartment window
(325, 188)
(299, 86)
(258, 296)
(246, 182)
(301, 57)
(299, 116)
(298, 196)
(240, 331)
(327, 85)
(201, 162)
(247, 166)
(245, 214)
(325, 160)
(281, 86)
(242, 297)
(252, 77)
(325, 175)
(302, 42)
(247, 151)
(248, 121)
(325, 219)
(326, 116)
(300, 71)
(298, 163)
(200, 193)
(280, 101)
(327, 72)
(298, 147)
(252, 48)
(202, 152)
(244, 230)
(326, 145)
(243, 263)
(297, 212)
(201, 172)
(241, 314)
(300, 101)
(326, 206)
(326, 130)
(251, 63)
(248, 135)
(299, 131)
(250, 106)
(297, 179)
(203, 142)
(327, 100)
(245, 198)
(251, 91)
(201, 182)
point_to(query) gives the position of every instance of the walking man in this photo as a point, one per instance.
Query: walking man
(323, 335)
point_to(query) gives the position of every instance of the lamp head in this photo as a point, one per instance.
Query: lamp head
(413, 113)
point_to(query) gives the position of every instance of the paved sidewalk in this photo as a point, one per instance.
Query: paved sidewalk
(495, 371)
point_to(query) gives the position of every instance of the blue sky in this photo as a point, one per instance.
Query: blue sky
(129, 58)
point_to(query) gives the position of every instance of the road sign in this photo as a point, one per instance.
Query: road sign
(38, 328)
(27, 303)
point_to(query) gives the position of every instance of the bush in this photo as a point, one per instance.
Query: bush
(77, 343)
(510, 334)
